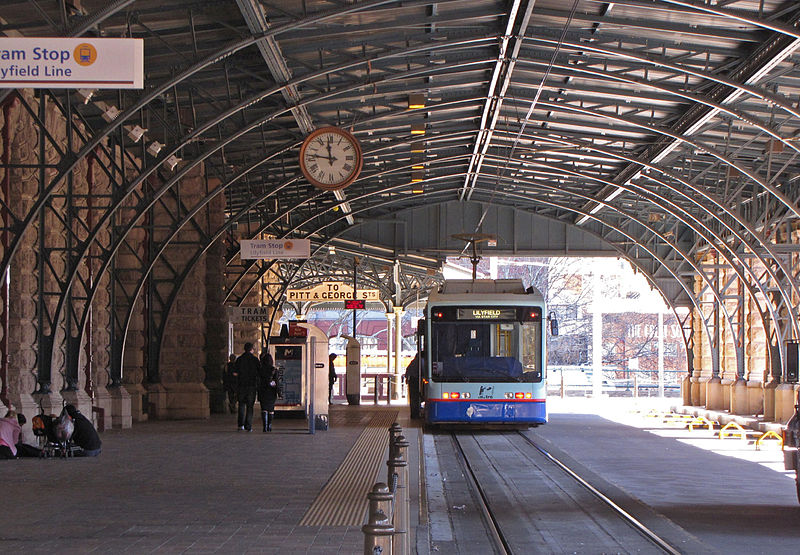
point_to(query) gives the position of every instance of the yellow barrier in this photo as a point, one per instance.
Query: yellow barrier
(767, 435)
(673, 418)
(732, 429)
(700, 421)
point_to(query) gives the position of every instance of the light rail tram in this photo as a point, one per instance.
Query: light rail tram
(482, 354)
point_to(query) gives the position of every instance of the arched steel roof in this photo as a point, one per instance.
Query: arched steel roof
(665, 128)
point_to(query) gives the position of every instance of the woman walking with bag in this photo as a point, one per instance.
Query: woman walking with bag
(268, 386)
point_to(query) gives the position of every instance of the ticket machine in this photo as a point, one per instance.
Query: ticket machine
(302, 358)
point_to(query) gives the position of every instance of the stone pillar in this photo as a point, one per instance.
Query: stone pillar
(156, 399)
(22, 337)
(697, 399)
(216, 332)
(183, 358)
(102, 400)
(785, 398)
(133, 371)
(711, 393)
(686, 390)
(726, 385)
(755, 397)
(137, 398)
(769, 401)
(738, 390)
(121, 416)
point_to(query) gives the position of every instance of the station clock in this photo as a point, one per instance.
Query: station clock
(330, 158)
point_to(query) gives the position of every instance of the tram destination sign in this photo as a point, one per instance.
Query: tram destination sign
(248, 314)
(477, 313)
(331, 291)
(62, 63)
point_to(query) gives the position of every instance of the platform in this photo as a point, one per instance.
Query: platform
(210, 488)
(198, 486)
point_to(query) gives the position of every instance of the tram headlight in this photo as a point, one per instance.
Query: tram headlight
(529, 395)
(466, 395)
(445, 395)
(519, 395)
(509, 395)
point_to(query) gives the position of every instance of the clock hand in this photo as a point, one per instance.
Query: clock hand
(330, 155)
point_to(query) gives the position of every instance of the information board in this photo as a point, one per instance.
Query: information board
(289, 361)
(60, 63)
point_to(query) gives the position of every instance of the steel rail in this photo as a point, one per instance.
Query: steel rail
(626, 516)
(501, 545)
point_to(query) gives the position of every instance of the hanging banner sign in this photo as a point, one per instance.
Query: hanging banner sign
(64, 63)
(274, 248)
(331, 291)
(248, 314)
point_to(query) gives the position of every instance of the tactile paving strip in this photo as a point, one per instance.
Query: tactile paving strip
(343, 500)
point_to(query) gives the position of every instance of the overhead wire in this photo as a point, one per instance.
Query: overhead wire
(525, 120)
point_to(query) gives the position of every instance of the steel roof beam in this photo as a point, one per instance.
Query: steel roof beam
(510, 44)
(749, 72)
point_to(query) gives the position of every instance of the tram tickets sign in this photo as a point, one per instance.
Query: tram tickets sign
(275, 248)
(65, 63)
(331, 291)
(248, 314)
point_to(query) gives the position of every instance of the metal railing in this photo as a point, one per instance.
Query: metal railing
(387, 529)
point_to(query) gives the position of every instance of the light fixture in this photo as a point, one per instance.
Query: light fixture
(417, 191)
(171, 162)
(416, 101)
(135, 133)
(417, 176)
(417, 146)
(417, 161)
(154, 148)
(111, 113)
(417, 128)
(85, 94)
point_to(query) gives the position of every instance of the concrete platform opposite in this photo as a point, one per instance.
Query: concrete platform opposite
(725, 496)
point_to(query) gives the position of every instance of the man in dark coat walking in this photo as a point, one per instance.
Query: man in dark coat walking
(246, 373)
(331, 376)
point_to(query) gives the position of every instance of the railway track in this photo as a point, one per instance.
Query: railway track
(530, 502)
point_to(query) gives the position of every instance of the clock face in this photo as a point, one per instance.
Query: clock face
(330, 158)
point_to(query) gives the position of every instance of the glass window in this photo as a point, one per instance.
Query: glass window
(480, 351)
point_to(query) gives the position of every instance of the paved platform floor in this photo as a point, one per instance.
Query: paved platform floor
(203, 486)
(185, 486)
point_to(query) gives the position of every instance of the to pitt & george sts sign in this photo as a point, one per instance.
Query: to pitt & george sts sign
(61, 63)
(331, 291)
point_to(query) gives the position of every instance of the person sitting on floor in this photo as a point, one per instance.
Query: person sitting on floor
(11, 444)
(84, 435)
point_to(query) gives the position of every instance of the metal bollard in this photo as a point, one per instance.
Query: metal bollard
(394, 430)
(378, 530)
(401, 518)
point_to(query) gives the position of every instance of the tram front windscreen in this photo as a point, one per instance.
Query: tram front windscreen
(484, 344)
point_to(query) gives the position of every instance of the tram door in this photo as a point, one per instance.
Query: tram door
(504, 341)
(290, 359)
